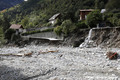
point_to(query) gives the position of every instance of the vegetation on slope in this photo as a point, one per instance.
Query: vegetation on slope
(37, 12)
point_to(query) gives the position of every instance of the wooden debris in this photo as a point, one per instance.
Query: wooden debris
(19, 55)
(112, 55)
(41, 52)
(28, 54)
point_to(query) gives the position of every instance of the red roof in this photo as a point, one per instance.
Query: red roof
(16, 26)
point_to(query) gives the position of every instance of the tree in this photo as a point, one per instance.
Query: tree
(113, 4)
(100, 4)
(66, 26)
(5, 23)
(94, 18)
(81, 25)
(9, 33)
(25, 21)
(58, 30)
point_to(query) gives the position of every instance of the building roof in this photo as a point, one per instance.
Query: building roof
(16, 26)
(54, 16)
(86, 10)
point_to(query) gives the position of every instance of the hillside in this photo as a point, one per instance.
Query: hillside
(37, 12)
(8, 3)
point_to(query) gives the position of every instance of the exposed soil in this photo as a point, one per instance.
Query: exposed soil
(103, 37)
(107, 37)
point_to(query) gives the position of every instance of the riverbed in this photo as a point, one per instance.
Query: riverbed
(49, 62)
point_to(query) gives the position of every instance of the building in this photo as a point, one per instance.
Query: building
(103, 11)
(18, 28)
(84, 13)
(53, 19)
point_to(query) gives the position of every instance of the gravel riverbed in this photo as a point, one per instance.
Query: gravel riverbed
(49, 62)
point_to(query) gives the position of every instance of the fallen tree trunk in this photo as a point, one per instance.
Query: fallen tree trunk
(19, 55)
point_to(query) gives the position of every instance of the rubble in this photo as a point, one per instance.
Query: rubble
(112, 55)
(58, 62)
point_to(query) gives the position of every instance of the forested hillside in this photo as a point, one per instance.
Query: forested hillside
(8, 3)
(37, 12)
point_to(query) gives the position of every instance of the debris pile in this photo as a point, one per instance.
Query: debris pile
(19, 55)
(58, 62)
(112, 55)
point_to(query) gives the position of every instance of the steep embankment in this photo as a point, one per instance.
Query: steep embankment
(107, 37)
(103, 37)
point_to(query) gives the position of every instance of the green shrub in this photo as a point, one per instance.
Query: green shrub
(15, 37)
(81, 25)
(93, 18)
(48, 30)
(58, 22)
(47, 24)
(25, 21)
(66, 27)
(113, 19)
(58, 30)
(31, 24)
(31, 32)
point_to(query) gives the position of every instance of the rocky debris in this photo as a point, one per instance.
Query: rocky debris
(112, 55)
(88, 44)
(107, 37)
(102, 37)
(60, 62)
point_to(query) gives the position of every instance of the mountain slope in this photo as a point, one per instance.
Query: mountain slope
(37, 12)
(8, 3)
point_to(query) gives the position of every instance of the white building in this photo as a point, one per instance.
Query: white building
(53, 19)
